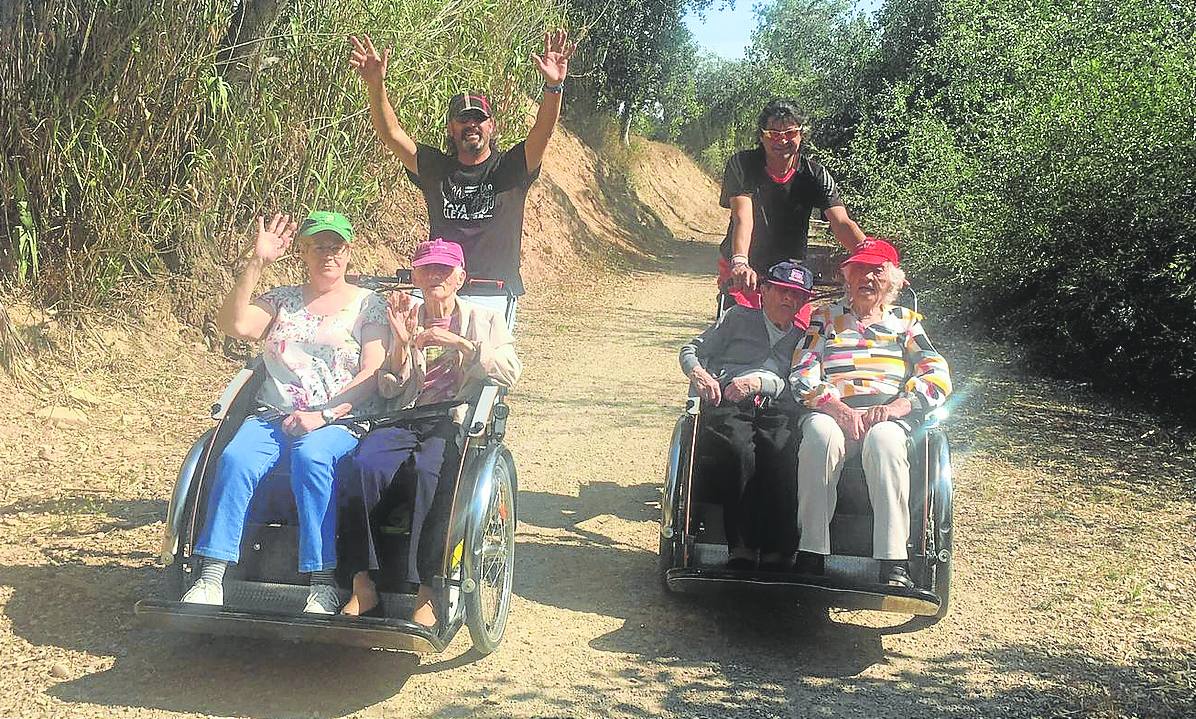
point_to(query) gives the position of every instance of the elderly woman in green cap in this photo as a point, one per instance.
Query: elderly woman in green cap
(324, 342)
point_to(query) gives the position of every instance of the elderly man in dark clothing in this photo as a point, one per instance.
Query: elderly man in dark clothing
(748, 420)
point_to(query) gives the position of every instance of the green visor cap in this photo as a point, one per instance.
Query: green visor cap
(320, 221)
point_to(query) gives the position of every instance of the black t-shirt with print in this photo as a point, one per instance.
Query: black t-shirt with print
(479, 207)
(781, 228)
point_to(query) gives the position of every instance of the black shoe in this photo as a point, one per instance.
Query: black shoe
(895, 574)
(377, 611)
(780, 565)
(741, 564)
(810, 563)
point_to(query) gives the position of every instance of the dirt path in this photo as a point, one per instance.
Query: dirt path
(1074, 590)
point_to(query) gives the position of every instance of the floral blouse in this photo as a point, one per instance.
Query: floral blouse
(311, 358)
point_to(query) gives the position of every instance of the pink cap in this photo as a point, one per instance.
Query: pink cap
(438, 252)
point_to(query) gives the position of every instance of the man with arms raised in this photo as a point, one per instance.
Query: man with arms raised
(475, 192)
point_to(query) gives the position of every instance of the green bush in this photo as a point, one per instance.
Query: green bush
(1039, 160)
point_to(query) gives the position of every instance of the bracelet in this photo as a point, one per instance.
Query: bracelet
(737, 260)
(554, 89)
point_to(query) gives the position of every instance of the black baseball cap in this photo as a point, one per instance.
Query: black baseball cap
(789, 273)
(464, 101)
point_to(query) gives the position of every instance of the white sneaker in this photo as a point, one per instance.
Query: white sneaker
(322, 599)
(205, 592)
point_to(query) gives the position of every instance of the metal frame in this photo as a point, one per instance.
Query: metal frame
(681, 575)
(933, 543)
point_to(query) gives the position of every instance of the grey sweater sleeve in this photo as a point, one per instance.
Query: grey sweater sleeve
(771, 385)
(708, 344)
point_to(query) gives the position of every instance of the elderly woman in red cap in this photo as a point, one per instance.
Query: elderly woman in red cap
(440, 350)
(867, 369)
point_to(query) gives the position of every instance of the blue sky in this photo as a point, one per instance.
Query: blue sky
(725, 32)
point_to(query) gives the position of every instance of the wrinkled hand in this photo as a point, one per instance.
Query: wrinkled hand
(367, 61)
(743, 277)
(742, 388)
(849, 420)
(896, 409)
(403, 314)
(273, 240)
(707, 386)
(299, 423)
(554, 63)
(439, 336)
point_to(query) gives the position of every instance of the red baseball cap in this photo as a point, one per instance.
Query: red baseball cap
(438, 252)
(873, 251)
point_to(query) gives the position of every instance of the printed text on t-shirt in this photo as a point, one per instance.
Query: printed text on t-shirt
(468, 202)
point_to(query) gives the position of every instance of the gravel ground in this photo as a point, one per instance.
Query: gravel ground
(1073, 593)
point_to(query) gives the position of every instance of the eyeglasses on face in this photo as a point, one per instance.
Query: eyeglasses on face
(790, 134)
(329, 248)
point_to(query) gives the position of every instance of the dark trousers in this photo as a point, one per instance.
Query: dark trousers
(369, 492)
(754, 452)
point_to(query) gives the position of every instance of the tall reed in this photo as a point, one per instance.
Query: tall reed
(141, 137)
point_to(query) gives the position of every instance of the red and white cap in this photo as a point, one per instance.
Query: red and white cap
(465, 101)
(873, 251)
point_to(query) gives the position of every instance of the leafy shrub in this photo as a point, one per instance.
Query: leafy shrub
(1040, 161)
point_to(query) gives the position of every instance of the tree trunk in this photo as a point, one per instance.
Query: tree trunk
(251, 21)
(13, 351)
(628, 116)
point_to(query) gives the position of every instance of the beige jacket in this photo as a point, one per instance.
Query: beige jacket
(495, 360)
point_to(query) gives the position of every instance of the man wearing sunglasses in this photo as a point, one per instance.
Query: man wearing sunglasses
(771, 190)
(475, 192)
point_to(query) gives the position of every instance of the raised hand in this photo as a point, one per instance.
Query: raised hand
(367, 61)
(403, 314)
(273, 240)
(554, 63)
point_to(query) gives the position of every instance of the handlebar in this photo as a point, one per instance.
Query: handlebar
(401, 280)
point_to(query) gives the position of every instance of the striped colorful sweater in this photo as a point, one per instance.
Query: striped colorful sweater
(840, 358)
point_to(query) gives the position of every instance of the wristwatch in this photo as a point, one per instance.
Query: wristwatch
(328, 415)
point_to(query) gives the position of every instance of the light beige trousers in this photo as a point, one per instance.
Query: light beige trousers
(820, 460)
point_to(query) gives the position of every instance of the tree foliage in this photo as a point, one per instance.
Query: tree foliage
(629, 54)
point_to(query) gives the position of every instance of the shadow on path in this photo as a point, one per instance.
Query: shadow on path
(89, 609)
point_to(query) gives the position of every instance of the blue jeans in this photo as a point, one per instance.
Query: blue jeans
(255, 450)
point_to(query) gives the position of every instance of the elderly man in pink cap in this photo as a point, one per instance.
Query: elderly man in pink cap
(441, 349)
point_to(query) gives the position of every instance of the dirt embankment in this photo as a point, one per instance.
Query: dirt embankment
(1076, 567)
